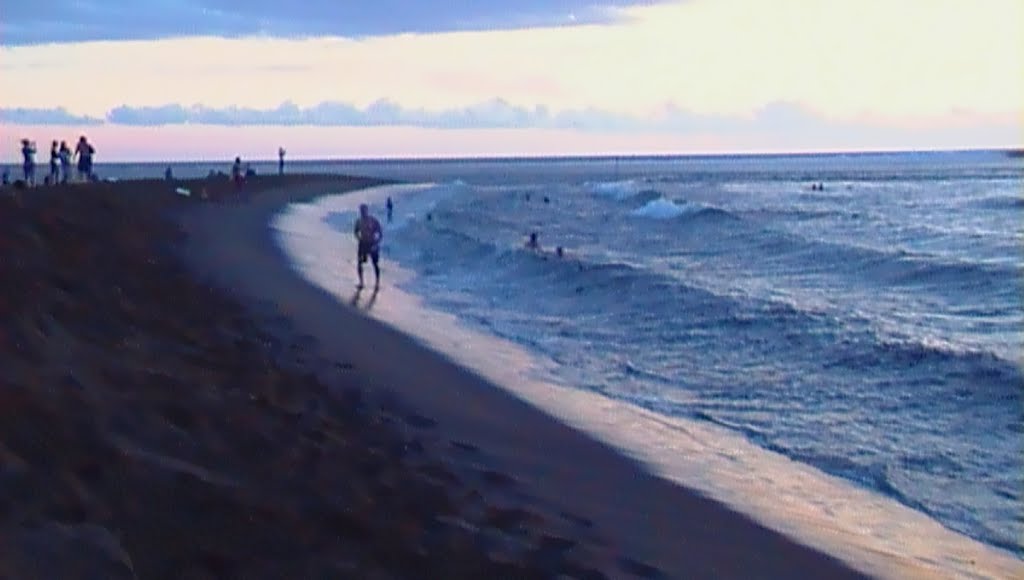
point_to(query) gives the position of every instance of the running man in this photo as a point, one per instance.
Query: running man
(368, 234)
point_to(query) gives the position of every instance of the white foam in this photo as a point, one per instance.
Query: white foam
(619, 190)
(661, 209)
(873, 533)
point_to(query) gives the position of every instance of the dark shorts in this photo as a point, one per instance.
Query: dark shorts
(369, 249)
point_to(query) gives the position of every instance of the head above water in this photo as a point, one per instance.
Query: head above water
(364, 209)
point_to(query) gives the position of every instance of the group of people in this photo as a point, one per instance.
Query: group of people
(61, 159)
(238, 175)
(534, 244)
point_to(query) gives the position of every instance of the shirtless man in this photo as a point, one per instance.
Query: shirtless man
(368, 234)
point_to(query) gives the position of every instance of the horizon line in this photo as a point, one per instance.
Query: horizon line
(1012, 151)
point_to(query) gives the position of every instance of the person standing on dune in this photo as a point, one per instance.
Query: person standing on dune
(65, 162)
(28, 166)
(84, 151)
(54, 163)
(368, 235)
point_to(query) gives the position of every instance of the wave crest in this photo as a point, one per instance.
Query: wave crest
(661, 209)
(620, 190)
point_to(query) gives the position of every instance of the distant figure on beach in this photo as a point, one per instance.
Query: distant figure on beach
(54, 162)
(368, 234)
(532, 243)
(168, 174)
(28, 166)
(84, 151)
(65, 162)
(7, 177)
(249, 171)
(390, 207)
(236, 173)
(280, 160)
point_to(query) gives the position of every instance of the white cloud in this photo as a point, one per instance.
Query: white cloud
(55, 116)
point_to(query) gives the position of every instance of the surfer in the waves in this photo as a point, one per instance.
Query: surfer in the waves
(368, 235)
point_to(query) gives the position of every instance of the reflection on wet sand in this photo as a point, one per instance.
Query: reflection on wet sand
(354, 301)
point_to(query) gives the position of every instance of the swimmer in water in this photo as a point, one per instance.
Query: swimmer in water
(533, 244)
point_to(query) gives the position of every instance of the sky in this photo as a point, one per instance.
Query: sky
(211, 79)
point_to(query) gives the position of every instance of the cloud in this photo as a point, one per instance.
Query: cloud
(56, 116)
(78, 20)
(780, 122)
(491, 114)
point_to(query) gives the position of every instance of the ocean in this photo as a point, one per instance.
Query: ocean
(871, 330)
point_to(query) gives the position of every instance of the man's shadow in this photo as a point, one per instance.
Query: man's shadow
(354, 301)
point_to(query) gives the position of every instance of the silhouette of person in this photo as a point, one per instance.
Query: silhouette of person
(533, 244)
(84, 150)
(54, 162)
(65, 162)
(236, 173)
(28, 166)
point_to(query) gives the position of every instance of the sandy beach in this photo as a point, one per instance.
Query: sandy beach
(178, 403)
(645, 518)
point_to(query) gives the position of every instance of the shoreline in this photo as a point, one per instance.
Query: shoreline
(863, 528)
(675, 529)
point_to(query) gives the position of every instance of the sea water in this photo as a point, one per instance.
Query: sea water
(870, 331)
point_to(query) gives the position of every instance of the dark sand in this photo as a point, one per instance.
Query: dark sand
(651, 527)
(150, 429)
